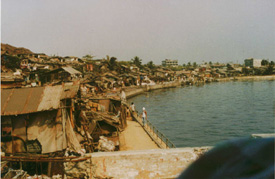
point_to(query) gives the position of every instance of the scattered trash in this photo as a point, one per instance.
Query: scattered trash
(105, 144)
(16, 174)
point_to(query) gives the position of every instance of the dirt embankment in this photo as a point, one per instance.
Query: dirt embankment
(11, 50)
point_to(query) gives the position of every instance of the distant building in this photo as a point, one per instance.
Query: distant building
(252, 63)
(168, 62)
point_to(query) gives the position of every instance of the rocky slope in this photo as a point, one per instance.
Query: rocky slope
(11, 50)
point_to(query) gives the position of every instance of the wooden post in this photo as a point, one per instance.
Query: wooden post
(12, 146)
(49, 169)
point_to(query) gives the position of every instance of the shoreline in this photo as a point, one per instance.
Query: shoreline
(134, 91)
(131, 92)
(248, 78)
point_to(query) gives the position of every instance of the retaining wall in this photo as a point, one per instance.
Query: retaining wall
(248, 78)
(157, 163)
(137, 91)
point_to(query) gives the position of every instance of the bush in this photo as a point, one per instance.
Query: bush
(11, 62)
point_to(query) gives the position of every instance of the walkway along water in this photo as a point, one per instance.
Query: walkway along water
(160, 139)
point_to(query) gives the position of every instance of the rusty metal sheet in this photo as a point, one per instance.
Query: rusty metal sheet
(4, 97)
(33, 100)
(21, 101)
(29, 100)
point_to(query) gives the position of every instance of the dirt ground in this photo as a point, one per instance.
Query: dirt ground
(135, 138)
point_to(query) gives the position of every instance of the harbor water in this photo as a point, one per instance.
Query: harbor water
(206, 115)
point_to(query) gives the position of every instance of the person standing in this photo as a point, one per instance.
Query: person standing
(122, 96)
(144, 115)
(133, 107)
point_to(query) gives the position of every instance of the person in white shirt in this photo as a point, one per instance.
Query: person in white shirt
(133, 107)
(122, 96)
(144, 115)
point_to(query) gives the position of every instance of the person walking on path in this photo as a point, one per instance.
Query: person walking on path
(144, 115)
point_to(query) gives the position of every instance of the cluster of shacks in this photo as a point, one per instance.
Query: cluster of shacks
(58, 121)
(41, 114)
(56, 117)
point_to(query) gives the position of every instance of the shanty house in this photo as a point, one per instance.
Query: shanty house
(160, 73)
(9, 80)
(70, 59)
(61, 74)
(40, 116)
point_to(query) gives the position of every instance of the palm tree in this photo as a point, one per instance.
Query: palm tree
(137, 61)
(151, 64)
(111, 62)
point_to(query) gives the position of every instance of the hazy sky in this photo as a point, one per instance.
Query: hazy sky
(187, 30)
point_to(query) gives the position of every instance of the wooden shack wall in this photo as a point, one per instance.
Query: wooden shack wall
(105, 103)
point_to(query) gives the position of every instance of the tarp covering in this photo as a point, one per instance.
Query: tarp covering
(47, 128)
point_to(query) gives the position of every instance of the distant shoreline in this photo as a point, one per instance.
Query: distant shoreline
(132, 92)
(248, 78)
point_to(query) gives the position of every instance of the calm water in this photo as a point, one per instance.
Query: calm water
(202, 116)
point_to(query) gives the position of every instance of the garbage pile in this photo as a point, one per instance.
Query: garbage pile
(105, 144)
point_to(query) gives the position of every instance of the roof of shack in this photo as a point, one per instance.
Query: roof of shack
(71, 70)
(30, 100)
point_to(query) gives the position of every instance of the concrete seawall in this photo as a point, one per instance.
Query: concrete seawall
(139, 90)
(157, 163)
(248, 78)
(134, 92)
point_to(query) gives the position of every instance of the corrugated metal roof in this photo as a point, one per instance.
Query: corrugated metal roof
(71, 70)
(29, 100)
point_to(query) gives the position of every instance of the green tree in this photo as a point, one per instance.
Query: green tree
(269, 70)
(11, 62)
(271, 63)
(137, 61)
(195, 65)
(112, 63)
(264, 62)
(210, 63)
(151, 65)
(188, 66)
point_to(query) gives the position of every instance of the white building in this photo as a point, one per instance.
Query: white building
(168, 62)
(252, 63)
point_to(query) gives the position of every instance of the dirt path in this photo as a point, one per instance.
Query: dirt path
(135, 138)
